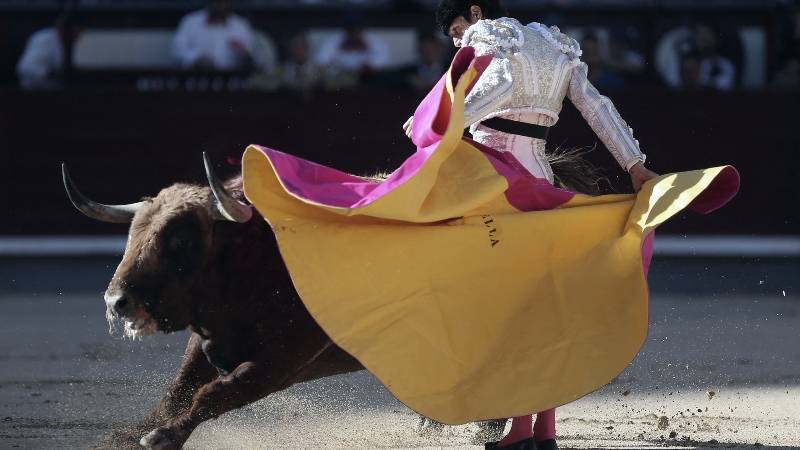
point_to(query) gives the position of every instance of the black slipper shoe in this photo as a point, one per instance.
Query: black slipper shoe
(525, 444)
(549, 444)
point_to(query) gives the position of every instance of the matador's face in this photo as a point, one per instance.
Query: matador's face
(461, 23)
(457, 29)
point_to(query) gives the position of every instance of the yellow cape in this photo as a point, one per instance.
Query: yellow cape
(493, 313)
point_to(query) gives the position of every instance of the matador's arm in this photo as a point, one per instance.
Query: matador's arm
(603, 118)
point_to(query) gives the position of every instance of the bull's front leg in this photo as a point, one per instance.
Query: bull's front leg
(249, 382)
(195, 372)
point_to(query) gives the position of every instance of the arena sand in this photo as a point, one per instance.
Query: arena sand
(718, 372)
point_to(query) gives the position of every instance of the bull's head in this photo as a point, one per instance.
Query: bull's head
(170, 242)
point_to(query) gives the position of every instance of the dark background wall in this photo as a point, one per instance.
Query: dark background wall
(124, 145)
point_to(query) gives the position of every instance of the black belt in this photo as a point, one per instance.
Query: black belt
(518, 128)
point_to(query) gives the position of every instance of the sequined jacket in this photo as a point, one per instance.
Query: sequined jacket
(533, 69)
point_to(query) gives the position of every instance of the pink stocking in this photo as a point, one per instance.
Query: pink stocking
(545, 427)
(520, 430)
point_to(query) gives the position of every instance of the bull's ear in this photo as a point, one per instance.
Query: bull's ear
(225, 206)
(97, 211)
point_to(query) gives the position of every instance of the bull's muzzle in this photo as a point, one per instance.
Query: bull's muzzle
(119, 303)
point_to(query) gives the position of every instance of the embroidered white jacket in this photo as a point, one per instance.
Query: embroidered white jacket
(533, 69)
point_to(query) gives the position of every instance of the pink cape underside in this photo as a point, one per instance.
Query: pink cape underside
(324, 185)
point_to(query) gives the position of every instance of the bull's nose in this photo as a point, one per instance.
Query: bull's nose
(118, 303)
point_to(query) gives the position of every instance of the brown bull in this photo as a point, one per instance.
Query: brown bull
(199, 257)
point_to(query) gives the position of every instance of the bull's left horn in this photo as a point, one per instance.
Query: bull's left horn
(97, 211)
(228, 207)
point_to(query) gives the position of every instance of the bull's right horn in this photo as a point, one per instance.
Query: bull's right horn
(98, 211)
(227, 207)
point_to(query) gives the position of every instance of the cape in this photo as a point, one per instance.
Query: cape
(471, 289)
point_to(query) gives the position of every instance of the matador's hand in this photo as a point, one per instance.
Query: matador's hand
(640, 174)
(408, 126)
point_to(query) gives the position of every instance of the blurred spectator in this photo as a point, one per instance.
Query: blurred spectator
(690, 72)
(787, 78)
(787, 73)
(623, 58)
(788, 42)
(432, 62)
(702, 64)
(601, 75)
(299, 72)
(215, 38)
(48, 54)
(716, 71)
(352, 51)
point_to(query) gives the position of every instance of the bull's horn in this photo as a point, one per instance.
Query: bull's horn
(98, 211)
(228, 207)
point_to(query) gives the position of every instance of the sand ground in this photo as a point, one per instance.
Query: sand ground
(716, 371)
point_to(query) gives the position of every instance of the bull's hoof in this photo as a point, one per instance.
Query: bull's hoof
(161, 439)
(125, 438)
(119, 441)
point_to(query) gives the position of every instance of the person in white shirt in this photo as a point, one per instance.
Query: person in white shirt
(299, 72)
(353, 50)
(46, 54)
(214, 38)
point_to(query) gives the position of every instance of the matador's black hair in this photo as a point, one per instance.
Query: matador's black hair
(450, 10)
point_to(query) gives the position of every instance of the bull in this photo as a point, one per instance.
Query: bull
(199, 257)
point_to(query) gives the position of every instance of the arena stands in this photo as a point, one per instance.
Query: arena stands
(682, 73)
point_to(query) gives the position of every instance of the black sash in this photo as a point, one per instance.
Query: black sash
(518, 128)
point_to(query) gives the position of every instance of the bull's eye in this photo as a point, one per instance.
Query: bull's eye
(178, 243)
(182, 246)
